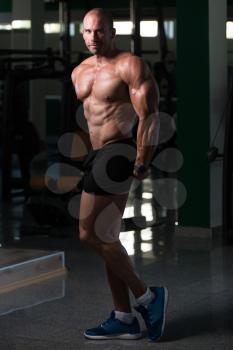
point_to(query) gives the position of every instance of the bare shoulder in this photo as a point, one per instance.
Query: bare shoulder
(128, 58)
(78, 69)
(131, 67)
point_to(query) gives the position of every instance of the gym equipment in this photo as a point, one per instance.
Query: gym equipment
(19, 135)
(227, 175)
(213, 154)
(164, 73)
(135, 41)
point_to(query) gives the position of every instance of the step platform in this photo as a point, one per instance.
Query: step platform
(22, 267)
(30, 277)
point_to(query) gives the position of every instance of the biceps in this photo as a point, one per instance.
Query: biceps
(145, 98)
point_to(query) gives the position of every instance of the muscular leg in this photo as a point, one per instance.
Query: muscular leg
(100, 220)
(120, 292)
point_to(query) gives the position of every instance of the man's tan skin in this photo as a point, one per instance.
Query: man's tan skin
(113, 85)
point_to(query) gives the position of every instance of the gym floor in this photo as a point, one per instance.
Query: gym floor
(197, 269)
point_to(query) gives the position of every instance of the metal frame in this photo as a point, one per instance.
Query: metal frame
(11, 79)
(135, 41)
(228, 178)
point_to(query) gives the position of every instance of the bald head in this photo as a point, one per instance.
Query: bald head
(105, 15)
(98, 31)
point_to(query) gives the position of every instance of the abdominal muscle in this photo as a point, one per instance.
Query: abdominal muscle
(100, 136)
(109, 124)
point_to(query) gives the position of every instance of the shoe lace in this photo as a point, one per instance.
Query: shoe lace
(108, 321)
(146, 314)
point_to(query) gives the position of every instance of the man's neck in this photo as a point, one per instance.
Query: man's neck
(111, 53)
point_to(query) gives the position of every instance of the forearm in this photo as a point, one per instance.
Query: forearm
(147, 139)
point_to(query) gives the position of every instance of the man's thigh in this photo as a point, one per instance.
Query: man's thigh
(101, 215)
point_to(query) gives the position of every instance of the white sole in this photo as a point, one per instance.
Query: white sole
(115, 336)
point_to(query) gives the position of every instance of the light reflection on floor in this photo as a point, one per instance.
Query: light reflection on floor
(129, 212)
(146, 247)
(147, 195)
(145, 241)
(144, 237)
(146, 210)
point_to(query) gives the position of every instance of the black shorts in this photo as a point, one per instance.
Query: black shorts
(109, 170)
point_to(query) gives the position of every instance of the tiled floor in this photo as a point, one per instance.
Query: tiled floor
(197, 271)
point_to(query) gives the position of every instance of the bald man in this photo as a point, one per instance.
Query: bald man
(116, 89)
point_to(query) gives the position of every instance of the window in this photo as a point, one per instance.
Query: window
(49, 28)
(55, 28)
(229, 30)
(148, 29)
(123, 28)
(169, 27)
(21, 24)
(5, 26)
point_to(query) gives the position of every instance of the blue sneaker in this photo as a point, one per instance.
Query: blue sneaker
(154, 313)
(115, 329)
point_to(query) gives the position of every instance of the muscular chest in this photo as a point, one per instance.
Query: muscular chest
(102, 84)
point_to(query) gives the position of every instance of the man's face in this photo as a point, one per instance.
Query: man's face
(97, 33)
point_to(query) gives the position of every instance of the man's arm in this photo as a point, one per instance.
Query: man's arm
(144, 97)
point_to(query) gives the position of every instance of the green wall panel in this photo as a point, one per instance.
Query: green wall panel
(193, 108)
(5, 5)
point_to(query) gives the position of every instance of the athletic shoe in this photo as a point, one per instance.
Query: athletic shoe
(115, 329)
(155, 312)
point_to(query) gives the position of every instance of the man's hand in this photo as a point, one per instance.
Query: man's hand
(140, 171)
